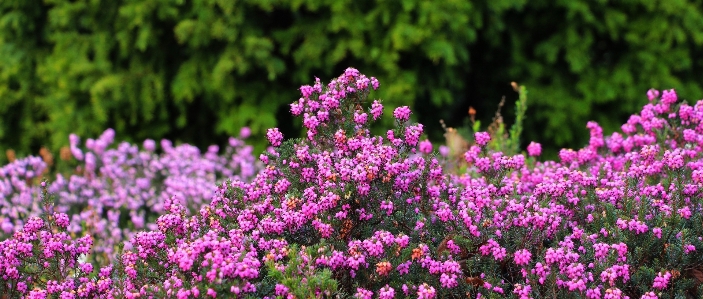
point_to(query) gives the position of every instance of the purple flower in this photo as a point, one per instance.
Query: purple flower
(657, 232)
(363, 294)
(444, 150)
(669, 97)
(662, 280)
(688, 248)
(386, 292)
(149, 145)
(482, 138)
(274, 136)
(402, 113)
(244, 132)
(426, 291)
(534, 149)
(522, 257)
(376, 109)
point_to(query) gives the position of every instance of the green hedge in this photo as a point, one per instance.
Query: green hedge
(197, 71)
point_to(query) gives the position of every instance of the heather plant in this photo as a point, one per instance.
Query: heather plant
(342, 213)
(364, 204)
(382, 216)
(18, 191)
(115, 191)
(619, 217)
(42, 260)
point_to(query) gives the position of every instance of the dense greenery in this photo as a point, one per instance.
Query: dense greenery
(196, 71)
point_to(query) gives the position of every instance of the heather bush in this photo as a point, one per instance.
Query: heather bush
(343, 213)
(42, 260)
(383, 218)
(112, 192)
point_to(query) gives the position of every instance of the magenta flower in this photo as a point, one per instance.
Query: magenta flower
(444, 150)
(649, 295)
(386, 292)
(688, 248)
(244, 132)
(376, 109)
(426, 291)
(274, 136)
(522, 257)
(425, 147)
(482, 138)
(657, 232)
(402, 113)
(363, 294)
(662, 280)
(534, 149)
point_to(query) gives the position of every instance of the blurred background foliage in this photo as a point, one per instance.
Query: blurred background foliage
(197, 71)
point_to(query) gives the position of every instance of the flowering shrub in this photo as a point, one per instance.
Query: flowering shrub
(115, 191)
(42, 260)
(343, 213)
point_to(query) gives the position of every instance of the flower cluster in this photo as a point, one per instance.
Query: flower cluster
(116, 191)
(43, 261)
(344, 213)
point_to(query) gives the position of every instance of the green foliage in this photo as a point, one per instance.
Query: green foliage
(589, 60)
(517, 127)
(583, 60)
(197, 71)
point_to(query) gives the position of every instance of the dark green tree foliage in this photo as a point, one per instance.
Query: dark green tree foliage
(199, 70)
(196, 71)
(593, 60)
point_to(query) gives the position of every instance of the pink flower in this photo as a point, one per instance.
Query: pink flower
(534, 149)
(482, 138)
(376, 109)
(593, 293)
(386, 292)
(363, 294)
(274, 136)
(402, 113)
(374, 83)
(412, 134)
(522, 257)
(669, 96)
(360, 118)
(444, 150)
(426, 291)
(61, 220)
(657, 232)
(689, 248)
(652, 94)
(244, 132)
(426, 147)
(149, 145)
(661, 281)
(613, 293)
(523, 291)
(685, 212)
